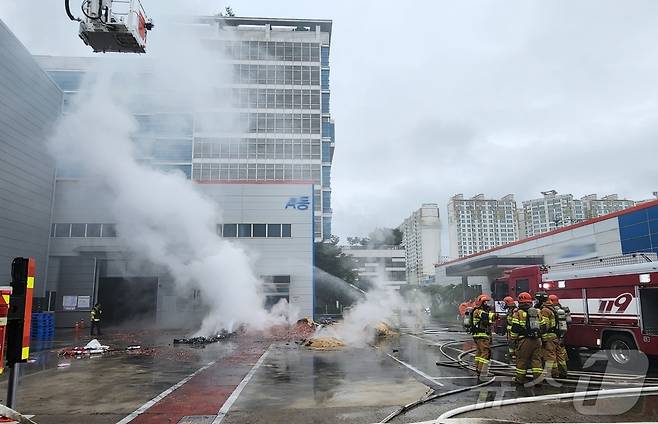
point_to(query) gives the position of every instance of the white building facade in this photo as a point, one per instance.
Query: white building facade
(89, 263)
(272, 122)
(481, 223)
(595, 206)
(551, 211)
(383, 266)
(421, 237)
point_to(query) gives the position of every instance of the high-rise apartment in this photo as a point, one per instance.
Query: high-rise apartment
(595, 207)
(551, 211)
(278, 92)
(479, 223)
(421, 237)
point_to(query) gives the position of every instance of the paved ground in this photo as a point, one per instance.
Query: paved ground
(252, 380)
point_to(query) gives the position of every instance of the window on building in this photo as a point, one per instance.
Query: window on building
(325, 56)
(259, 230)
(93, 230)
(286, 230)
(230, 230)
(78, 230)
(63, 230)
(244, 230)
(108, 230)
(274, 230)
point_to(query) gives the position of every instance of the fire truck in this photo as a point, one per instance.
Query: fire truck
(613, 301)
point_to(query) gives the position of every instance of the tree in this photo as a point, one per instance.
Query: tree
(330, 258)
(358, 241)
(228, 12)
(334, 277)
(381, 237)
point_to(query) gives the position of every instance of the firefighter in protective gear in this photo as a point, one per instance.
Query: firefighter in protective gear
(561, 350)
(510, 308)
(549, 337)
(526, 332)
(483, 321)
(96, 313)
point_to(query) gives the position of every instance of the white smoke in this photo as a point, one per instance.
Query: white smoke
(161, 217)
(381, 304)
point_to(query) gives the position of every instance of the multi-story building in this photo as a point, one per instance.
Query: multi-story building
(270, 172)
(278, 93)
(595, 207)
(478, 223)
(384, 266)
(551, 211)
(281, 89)
(421, 237)
(30, 103)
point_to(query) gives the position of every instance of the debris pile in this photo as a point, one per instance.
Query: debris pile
(304, 328)
(384, 330)
(299, 331)
(202, 341)
(92, 348)
(324, 343)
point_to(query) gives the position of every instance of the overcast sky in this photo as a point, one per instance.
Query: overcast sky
(433, 98)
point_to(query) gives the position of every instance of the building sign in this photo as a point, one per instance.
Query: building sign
(69, 302)
(298, 203)
(84, 302)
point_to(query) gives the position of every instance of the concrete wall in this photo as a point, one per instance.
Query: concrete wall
(265, 203)
(29, 105)
(74, 272)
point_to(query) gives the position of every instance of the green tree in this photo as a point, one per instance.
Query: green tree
(330, 258)
(335, 278)
(228, 12)
(381, 237)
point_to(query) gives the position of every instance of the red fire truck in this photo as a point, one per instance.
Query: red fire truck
(613, 301)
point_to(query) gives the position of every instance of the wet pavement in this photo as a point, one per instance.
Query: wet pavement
(257, 380)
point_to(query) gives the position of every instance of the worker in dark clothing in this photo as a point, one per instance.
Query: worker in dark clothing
(96, 313)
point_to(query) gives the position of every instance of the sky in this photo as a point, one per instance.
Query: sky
(435, 98)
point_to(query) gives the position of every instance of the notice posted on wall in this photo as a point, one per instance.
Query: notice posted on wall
(84, 302)
(69, 302)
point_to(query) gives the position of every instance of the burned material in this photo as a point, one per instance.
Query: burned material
(324, 343)
(202, 341)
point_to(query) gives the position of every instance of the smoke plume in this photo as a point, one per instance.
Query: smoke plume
(160, 216)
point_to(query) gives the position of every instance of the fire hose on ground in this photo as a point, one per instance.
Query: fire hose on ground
(505, 370)
(543, 398)
(459, 362)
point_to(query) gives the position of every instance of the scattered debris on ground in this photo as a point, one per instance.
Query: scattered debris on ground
(297, 332)
(92, 348)
(324, 343)
(384, 330)
(202, 341)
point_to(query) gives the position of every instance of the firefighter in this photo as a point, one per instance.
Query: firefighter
(96, 313)
(526, 332)
(561, 350)
(549, 338)
(483, 321)
(510, 308)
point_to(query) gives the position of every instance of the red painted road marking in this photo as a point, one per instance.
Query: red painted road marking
(205, 392)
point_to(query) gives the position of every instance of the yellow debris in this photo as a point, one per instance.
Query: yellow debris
(324, 343)
(384, 330)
